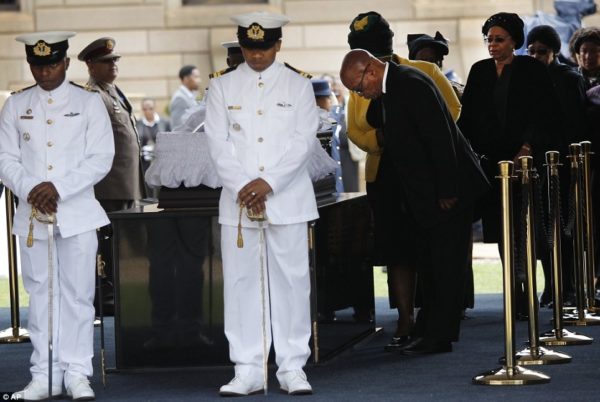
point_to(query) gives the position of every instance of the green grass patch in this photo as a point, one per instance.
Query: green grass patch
(5, 293)
(487, 278)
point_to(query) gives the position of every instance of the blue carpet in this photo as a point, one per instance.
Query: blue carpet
(364, 372)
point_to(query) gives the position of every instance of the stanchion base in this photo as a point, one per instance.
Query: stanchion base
(519, 376)
(567, 338)
(588, 319)
(9, 336)
(545, 356)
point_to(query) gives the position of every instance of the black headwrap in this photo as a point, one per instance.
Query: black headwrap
(547, 35)
(370, 31)
(510, 22)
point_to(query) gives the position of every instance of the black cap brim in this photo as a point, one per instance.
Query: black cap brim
(257, 45)
(44, 61)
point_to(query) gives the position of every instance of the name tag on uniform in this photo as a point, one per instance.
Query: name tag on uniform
(26, 117)
(234, 107)
(283, 104)
(72, 114)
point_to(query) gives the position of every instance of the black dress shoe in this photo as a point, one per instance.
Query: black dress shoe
(398, 343)
(424, 347)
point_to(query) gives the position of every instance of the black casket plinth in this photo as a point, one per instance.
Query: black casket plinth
(203, 196)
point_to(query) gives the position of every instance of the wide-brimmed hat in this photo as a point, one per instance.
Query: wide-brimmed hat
(417, 42)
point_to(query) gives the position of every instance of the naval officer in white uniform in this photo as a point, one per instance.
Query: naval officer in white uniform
(260, 123)
(55, 143)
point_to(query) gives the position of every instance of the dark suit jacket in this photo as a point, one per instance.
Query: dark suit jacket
(569, 91)
(124, 181)
(424, 147)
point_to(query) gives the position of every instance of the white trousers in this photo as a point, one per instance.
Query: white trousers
(73, 319)
(287, 293)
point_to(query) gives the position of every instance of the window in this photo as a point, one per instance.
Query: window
(7, 5)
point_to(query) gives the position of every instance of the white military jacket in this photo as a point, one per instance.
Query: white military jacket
(63, 136)
(263, 125)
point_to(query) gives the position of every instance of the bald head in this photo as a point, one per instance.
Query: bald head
(362, 73)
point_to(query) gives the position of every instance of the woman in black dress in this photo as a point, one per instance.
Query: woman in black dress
(508, 112)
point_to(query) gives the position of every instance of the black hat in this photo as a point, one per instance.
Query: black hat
(259, 30)
(417, 42)
(44, 48)
(370, 31)
(546, 35)
(511, 22)
(100, 49)
(321, 87)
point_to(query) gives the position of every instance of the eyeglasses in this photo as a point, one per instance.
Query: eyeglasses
(542, 51)
(109, 61)
(495, 39)
(359, 89)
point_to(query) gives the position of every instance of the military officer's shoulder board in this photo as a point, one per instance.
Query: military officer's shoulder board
(221, 72)
(302, 73)
(87, 87)
(18, 91)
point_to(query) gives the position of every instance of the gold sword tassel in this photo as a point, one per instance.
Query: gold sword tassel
(30, 234)
(240, 239)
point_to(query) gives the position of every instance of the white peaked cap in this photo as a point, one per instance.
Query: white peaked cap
(231, 44)
(265, 19)
(48, 37)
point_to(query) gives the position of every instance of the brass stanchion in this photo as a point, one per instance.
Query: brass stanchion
(508, 374)
(534, 353)
(590, 260)
(14, 334)
(558, 335)
(580, 317)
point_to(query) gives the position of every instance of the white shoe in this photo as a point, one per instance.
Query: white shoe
(294, 382)
(36, 391)
(241, 385)
(79, 389)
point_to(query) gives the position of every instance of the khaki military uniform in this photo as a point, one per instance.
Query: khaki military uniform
(125, 180)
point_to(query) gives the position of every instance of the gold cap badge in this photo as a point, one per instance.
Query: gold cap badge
(42, 49)
(360, 24)
(110, 44)
(255, 32)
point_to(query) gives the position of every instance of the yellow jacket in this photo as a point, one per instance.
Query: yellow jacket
(363, 135)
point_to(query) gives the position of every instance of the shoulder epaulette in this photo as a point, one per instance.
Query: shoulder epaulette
(18, 91)
(86, 87)
(302, 73)
(221, 72)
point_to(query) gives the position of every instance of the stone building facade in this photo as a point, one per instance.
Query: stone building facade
(157, 37)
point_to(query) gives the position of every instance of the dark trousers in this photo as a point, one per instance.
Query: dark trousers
(105, 250)
(442, 272)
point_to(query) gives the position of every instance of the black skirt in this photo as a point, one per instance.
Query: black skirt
(395, 230)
